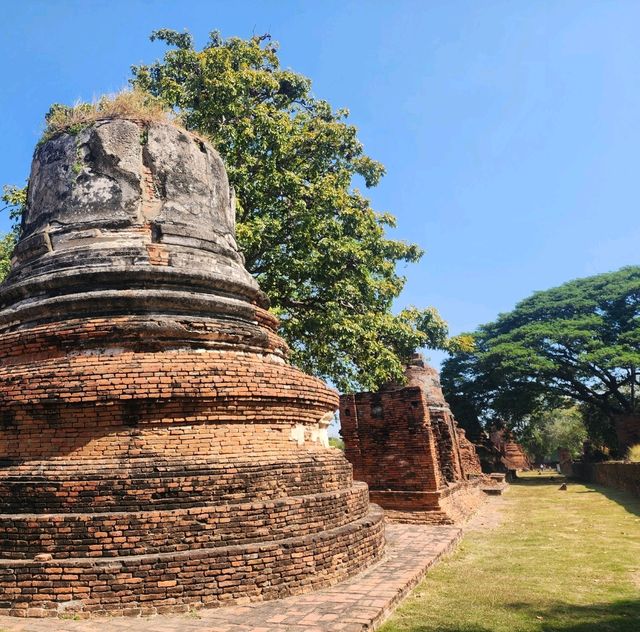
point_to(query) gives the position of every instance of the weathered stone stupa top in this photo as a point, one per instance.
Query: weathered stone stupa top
(156, 448)
(420, 373)
(125, 218)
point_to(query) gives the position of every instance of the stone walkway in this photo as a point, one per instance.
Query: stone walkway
(361, 603)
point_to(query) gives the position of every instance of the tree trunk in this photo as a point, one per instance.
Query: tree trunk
(627, 428)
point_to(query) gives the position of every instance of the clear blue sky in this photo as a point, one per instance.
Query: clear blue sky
(510, 129)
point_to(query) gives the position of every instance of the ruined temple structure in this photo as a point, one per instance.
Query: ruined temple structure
(512, 454)
(157, 451)
(404, 442)
(565, 460)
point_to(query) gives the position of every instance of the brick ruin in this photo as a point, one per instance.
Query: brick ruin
(512, 454)
(157, 451)
(405, 444)
(565, 461)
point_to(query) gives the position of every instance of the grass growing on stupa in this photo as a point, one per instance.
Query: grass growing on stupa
(560, 561)
(128, 104)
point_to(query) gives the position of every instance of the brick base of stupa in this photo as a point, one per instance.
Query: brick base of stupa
(182, 486)
(181, 579)
(452, 505)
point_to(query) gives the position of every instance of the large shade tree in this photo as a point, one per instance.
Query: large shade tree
(579, 342)
(312, 239)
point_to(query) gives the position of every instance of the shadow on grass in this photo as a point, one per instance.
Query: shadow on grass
(530, 481)
(625, 499)
(616, 616)
(628, 501)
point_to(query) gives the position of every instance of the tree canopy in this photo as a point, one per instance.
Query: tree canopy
(552, 429)
(309, 235)
(578, 342)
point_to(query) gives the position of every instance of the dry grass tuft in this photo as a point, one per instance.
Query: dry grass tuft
(128, 104)
(633, 453)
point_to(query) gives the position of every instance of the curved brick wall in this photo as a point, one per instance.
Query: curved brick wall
(147, 584)
(67, 487)
(153, 531)
(157, 451)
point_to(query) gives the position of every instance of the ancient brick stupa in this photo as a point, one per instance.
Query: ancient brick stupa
(157, 452)
(512, 454)
(404, 442)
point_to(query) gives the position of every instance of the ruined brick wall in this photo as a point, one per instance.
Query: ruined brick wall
(615, 474)
(446, 437)
(468, 455)
(566, 461)
(515, 458)
(157, 451)
(513, 455)
(405, 444)
(389, 440)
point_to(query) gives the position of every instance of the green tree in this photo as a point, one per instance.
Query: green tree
(552, 429)
(579, 341)
(482, 393)
(14, 199)
(308, 234)
(312, 239)
(336, 442)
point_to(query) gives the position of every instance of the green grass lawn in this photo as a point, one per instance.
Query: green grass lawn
(560, 560)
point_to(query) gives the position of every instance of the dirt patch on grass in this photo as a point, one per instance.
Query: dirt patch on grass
(489, 516)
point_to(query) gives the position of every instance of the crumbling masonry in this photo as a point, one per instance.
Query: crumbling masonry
(404, 442)
(512, 455)
(157, 452)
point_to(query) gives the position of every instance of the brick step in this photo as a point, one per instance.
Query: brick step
(112, 534)
(67, 488)
(146, 584)
(418, 517)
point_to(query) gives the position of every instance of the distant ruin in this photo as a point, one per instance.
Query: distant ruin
(157, 451)
(511, 454)
(404, 442)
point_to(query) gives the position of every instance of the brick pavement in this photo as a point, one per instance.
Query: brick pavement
(361, 603)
